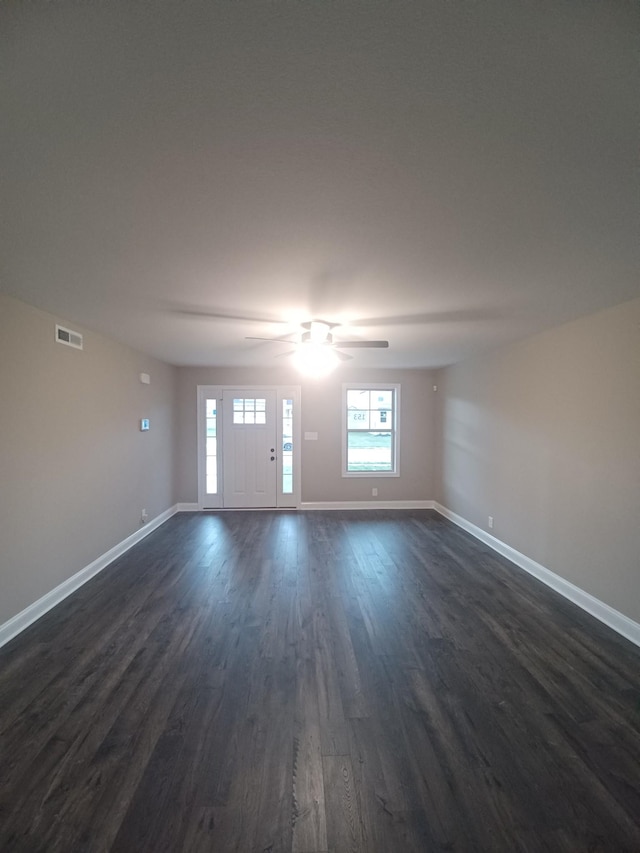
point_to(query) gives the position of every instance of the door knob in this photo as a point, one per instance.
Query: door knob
(272, 458)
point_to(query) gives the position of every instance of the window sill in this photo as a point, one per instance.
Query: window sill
(369, 474)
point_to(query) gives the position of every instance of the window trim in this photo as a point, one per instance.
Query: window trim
(372, 386)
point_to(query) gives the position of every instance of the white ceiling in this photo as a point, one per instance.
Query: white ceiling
(446, 175)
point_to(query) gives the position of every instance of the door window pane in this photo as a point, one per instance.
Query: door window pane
(249, 411)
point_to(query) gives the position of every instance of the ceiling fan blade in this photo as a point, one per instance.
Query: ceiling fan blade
(343, 356)
(362, 344)
(204, 314)
(253, 338)
(432, 317)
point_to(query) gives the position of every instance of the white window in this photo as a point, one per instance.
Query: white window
(211, 445)
(370, 430)
(287, 446)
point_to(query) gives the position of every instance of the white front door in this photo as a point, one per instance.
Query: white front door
(249, 447)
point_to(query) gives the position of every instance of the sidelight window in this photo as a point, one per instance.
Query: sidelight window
(287, 446)
(211, 445)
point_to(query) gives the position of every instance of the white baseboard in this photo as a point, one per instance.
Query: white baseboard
(313, 505)
(197, 508)
(34, 611)
(613, 618)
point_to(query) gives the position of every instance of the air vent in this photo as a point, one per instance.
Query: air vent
(66, 336)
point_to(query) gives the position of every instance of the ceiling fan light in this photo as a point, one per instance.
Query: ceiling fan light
(315, 359)
(319, 332)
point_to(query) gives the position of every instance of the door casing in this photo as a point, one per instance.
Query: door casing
(282, 392)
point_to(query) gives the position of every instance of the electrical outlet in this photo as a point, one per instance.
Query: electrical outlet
(143, 516)
(374, 492)
(490, 522)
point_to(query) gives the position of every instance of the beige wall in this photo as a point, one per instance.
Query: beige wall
(545, 437)
(321, 413)
(75, 471)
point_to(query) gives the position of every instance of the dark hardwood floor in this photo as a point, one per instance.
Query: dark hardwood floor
(326, 681)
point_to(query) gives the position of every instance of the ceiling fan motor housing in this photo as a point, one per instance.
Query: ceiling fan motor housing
(308, 338)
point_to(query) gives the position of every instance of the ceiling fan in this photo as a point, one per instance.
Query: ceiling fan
(316, 351)
(318, 333)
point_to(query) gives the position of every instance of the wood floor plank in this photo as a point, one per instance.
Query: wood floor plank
(373, 681)
(344, 820)
(309, 812)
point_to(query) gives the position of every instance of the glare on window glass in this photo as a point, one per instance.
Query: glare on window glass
(358, 400)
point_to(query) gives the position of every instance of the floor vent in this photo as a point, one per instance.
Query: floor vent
(66, 336)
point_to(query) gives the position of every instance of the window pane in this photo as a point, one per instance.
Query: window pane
(211, 447)
(358, 399)
(261, 417)
(381, 419)
(249, 417)
(238, 417)
(212, 475)
(238, 405)
(357, 420)
(287, 447)
(261, 405)
(382, 399)
(368, 451)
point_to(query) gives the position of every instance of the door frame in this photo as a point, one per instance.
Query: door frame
(283, 392)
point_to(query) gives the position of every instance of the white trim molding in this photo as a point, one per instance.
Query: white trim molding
(215, 501)
(187, 507)
(34, 611)
(313, 505)
(603, 612)
(393, 427)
